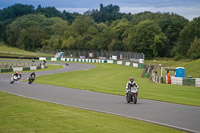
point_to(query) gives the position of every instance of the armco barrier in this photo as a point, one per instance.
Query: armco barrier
(22, 69)
(15, 69)
(189, 81)
(33, 67)
(6, 70)
(178, 81)
(197, 82)
(114, 61)
(132, 64)
(119, 62)
(26, 68)
(140, 65)
(48, 58)
(58, 59)
(38, 67)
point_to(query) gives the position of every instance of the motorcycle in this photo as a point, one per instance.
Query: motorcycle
(132, 95)
(31, 79)
(15, 78)
(19, 77)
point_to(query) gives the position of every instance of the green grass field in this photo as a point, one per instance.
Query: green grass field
(23, 115)
(112, 78)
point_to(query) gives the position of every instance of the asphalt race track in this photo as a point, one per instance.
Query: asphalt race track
(173, 115)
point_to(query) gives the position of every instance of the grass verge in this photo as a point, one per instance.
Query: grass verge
(112, 78)
(23, 115)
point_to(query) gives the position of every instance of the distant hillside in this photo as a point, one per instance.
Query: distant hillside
(7, 51)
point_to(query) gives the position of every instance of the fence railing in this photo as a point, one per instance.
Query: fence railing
(118, 55)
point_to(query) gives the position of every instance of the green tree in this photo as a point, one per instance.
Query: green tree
(108, 13)
(171, 25)
(102, 39)
(48, 11)
(146, 37)
(26, 32)
(15, 11)
(187, 36)
(194, 51)
(32, 32)
(83, 30)
(118, 29)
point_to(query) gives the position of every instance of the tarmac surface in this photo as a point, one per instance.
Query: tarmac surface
(178, 116)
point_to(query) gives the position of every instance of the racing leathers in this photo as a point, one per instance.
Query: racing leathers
(33, 75)
(131, 84)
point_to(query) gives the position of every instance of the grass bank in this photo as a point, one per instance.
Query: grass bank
(7, 51)
(112, 78)
(23, 115)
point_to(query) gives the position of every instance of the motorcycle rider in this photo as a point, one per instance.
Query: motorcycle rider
(33, 75)
(131, 83)
(18, 75)
(31, 78)
(15, 74)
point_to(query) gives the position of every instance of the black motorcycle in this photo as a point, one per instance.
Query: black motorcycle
(131, 95)
(31, 79)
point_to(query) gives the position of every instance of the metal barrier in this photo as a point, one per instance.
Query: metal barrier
(119, 55)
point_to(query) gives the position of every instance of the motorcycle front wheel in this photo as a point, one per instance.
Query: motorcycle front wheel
(135, 99)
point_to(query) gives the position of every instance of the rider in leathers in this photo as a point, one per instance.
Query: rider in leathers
(131, 83)
(33, 75)
(18, 75)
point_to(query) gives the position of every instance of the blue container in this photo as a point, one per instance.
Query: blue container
(180, 72)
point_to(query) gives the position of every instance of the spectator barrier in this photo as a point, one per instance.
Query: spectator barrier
(178, 81)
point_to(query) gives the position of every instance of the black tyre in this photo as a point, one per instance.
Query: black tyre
(135, 99)
(127, 99)
(30, 81)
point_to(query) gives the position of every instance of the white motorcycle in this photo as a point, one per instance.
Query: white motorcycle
(132, 95)
(15, 78)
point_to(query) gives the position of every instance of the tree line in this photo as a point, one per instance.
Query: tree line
(154, 34)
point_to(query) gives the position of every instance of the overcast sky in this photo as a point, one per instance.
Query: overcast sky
(186, 8)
